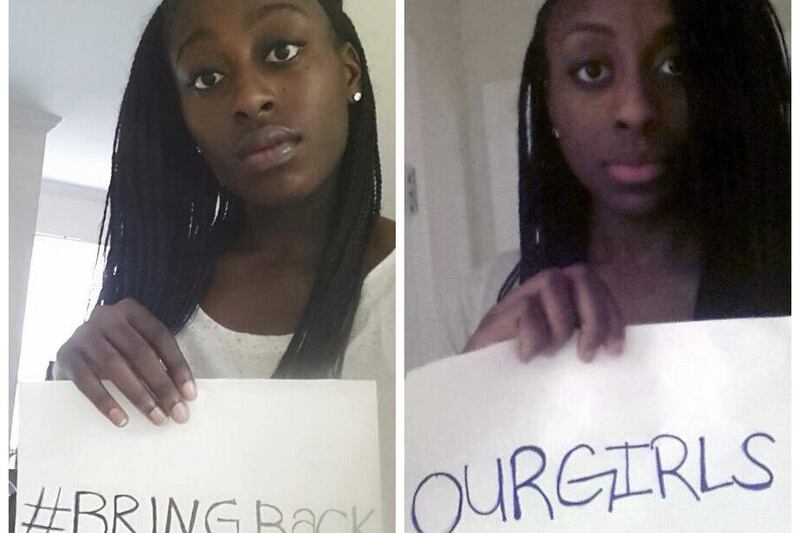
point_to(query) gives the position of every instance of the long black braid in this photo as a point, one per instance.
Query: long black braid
(734, 190)
(167, 218)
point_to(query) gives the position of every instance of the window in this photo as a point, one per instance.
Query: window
(60, 295)
(62, 289)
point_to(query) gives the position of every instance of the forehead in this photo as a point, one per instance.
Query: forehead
(640, 20)
(191, 16)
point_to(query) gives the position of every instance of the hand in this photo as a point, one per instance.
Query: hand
(126, 344)
(544, 311)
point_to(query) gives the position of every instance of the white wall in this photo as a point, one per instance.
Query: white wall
(784, 10)
(464, 46)
(493, 54)
(28, 130)
(437, 236)
(374, 20)
(68, 210)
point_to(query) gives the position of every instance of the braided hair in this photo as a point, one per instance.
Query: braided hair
(734, 188)
(167, 218)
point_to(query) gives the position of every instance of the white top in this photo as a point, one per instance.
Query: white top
(214, 351)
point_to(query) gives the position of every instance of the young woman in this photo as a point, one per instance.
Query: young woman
(242, 230)
(242, 227)
(654, 173)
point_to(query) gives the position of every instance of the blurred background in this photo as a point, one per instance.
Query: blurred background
(463, 64)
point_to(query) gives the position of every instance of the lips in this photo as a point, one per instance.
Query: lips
(267, 147)
(635, 173)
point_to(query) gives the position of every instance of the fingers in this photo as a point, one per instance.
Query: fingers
(127, 345)
(534, 330)
(556, 300)
(144, 361)
(160, 338)
(96, 359)
(544, 312)
(551, 318)
(89, 384)
(118, 371)
(616, 325)
(598, 315)
(540, 315)
(539, 312)
(501, 323)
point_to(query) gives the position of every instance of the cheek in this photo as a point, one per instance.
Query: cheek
(582, 128)
(676, 107)
(326, 116)
(202, 124)
(207, 126)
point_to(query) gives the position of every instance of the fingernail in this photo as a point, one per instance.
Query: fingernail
(189, 391)
(180, 413)
(118, 417)
(523, 350)
(157, 416)
(586, 355)
(615, 346)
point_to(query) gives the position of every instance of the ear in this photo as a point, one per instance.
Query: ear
(352, 68)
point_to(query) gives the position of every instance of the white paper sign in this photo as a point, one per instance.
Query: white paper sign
(687, 431)
(261, 456)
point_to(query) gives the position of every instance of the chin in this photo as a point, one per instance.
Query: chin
(278, 191)
(640, 206)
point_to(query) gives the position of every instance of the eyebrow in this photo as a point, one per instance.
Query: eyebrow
(665, 34)
(251, 18)
(668, 32)
(197, 35)
(591, 27)
(267, 9)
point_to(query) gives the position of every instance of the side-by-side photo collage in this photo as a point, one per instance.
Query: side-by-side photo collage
(378, 266)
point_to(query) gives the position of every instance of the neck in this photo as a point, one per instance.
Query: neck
(292, 233)
(662, 240)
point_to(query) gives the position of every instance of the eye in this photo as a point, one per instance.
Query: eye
(282, 53)
(206, 80)
(592, 72)
(671, 67)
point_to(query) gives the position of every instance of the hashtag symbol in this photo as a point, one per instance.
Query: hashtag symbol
(55, 509)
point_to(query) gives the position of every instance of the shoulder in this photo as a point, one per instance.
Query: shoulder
(381, 243)
(494, 273)
(488, 279)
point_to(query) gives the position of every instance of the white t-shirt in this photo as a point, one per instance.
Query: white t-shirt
(213, 351)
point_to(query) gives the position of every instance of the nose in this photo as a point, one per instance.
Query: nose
(253, 98)
(635, 108)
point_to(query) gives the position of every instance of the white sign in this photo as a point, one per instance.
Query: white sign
(688, 430)
(261, 456)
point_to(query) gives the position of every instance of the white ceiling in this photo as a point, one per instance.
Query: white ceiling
(71, 58)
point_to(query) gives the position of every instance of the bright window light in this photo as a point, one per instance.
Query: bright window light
(60, 296)
(62, 289)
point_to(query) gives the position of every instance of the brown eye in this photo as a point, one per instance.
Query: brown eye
(207, 80)
(671, 67)
(282, 53)
(593, 72)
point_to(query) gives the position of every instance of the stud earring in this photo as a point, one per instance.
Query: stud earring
(357, 97)
(556, 133)
(198, 150)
